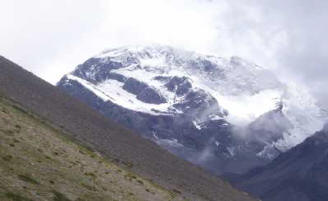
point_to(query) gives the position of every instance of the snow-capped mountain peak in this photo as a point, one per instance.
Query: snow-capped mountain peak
(233, 82)
(196, 91)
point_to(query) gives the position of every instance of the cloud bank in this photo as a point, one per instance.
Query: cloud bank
(50, 37)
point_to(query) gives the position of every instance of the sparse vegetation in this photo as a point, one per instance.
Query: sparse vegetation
(7, 158)
(28, 179)
(60, 197)
(90, 188)
(16, 197)
(130, 176)
(42, 164)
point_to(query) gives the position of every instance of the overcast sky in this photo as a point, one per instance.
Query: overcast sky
(51, 37)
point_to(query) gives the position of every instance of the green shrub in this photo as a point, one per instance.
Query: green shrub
(60, 197)
(28, 179)
(7, 158)
(16, 197)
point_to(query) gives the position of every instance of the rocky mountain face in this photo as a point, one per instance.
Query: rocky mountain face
(227, 115)
(300, 174)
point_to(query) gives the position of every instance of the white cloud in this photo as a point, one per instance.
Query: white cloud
(39, 34)
(51, 37)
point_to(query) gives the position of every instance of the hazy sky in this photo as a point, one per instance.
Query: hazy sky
(51, 37)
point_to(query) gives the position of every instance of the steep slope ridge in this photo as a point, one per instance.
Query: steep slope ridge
(209, 110)
(300, 174)
(39, 163)
(124, 147)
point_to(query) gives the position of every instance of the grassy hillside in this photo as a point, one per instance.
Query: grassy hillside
(39, 163)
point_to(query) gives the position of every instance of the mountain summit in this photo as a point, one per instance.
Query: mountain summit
(224, 114)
